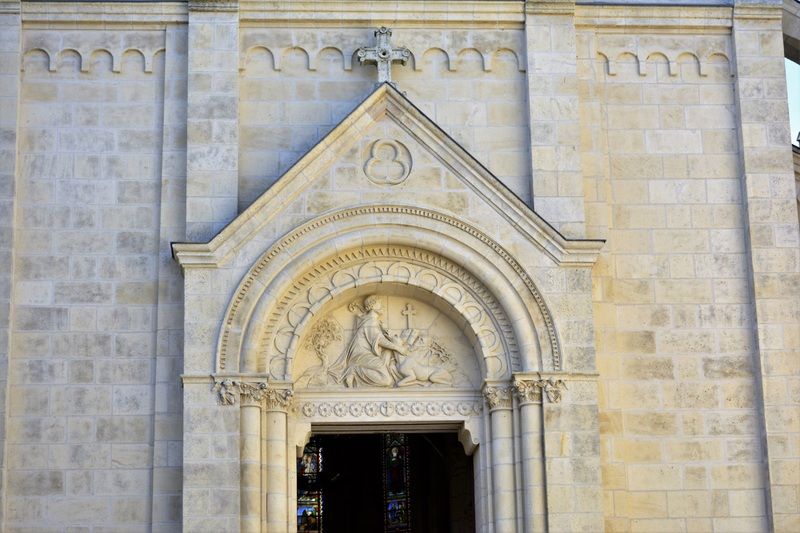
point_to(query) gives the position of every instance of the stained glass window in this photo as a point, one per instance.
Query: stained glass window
(396, 483)
(309, 489)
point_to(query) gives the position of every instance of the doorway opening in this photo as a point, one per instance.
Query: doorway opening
(390, 482)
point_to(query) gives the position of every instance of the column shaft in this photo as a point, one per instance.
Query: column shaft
(277, 482)
(250, 456)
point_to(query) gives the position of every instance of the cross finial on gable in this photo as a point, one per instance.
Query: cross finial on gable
(383, 55)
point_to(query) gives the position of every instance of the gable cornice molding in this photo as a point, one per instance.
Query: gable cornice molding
(387, 100)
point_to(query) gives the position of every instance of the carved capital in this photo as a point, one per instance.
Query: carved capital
(252, 393)
(498, 397)
(533, 390)
(528, 391)
(259, 394)
(277, 399)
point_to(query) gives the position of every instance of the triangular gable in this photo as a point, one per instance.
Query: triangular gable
(388, 102)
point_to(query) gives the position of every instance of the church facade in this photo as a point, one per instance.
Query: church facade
(492, 266)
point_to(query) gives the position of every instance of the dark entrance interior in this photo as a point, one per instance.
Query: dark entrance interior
(420, 482)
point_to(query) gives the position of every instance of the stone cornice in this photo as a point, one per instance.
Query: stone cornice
(398, 13)
(132, 15)
(550, 7)
(213, 5)
(663, 18)
(9, 7)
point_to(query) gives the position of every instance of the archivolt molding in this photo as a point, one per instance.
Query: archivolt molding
(380, 264)
(246, 297)
(453, 44)
(146, 44)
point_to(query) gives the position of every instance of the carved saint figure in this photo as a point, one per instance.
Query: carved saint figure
(369, 357)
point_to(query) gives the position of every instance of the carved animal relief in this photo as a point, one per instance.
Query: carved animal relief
(385, 342)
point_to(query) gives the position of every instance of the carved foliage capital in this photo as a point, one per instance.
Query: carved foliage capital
(278, 399)
(498, 397)
(530, 390)
(258, 394)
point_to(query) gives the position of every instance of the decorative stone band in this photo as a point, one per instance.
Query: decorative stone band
(371, 409)
(253, 393)
(498, 397)
(213, 5)
(530, 390)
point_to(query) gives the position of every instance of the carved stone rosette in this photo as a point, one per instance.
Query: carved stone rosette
(498, 397)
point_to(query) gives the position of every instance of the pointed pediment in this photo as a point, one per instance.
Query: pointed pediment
(387, 151)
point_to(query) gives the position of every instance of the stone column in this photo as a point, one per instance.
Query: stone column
(250, 460)
(768, 190)
(554, 114)
(276, 405)
(10, 35)
(529, 394)
(212, 136)
(499, 399)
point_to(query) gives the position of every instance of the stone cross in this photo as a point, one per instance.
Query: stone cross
(409, 313)
(383, 55)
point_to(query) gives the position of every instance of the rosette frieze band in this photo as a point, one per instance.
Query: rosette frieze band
(498, 397)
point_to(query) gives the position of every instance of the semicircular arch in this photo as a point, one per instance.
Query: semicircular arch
(441, 236)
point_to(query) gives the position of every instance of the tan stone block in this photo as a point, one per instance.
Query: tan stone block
(650, 423)
(694, 450)
(654, 477)
(744, 476)
(689, 503)
(695, 477)
(628, 291)
(647, 367)
(683, 291)
(637, 451)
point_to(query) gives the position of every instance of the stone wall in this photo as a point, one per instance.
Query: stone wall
(676, 117)
(81, 396)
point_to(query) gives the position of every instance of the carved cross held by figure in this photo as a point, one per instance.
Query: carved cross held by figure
(383, 55)
(409, 313)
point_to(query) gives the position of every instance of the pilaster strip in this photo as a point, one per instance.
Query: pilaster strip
(212, 151)
(554, 115)
(772, 241)
(11, 30)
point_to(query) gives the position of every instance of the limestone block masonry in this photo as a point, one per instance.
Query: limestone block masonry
(565, 232)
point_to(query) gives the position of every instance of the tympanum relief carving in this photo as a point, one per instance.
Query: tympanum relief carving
(389, 342)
